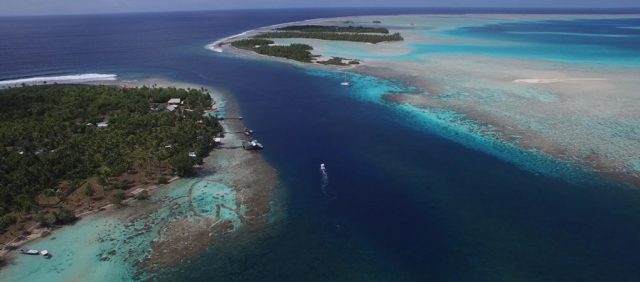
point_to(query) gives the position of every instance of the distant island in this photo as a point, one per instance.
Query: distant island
(475, 83)
(261, 43)
(69, 148)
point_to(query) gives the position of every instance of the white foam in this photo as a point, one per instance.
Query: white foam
(554, 80)
(74, 78)
(215, 46)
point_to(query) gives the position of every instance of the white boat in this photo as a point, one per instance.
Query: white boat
(253, 145)
(29, 252)
(322, 167)
(345, 83)
(44, 253)
(257, 145)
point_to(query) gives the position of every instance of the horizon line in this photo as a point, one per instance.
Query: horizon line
(620, 10)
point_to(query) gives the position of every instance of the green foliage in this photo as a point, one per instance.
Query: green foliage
(64, 216)
(118, 197)
(49, 192)
(89, 191)
(334, 36)
(162, 180)
(6, 221)
(45, 220)
(102, 180)
(143, 196)
(250, 43)
(298, 52)
(182, 164)
(338, 61)
(328, 28)
(45, 138)
(121, 186)
(23, 203)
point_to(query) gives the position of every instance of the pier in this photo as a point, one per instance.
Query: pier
(227, 118)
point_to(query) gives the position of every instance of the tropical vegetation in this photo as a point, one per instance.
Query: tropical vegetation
(53, 138)
(334, 36)
(330, 28)
(298, 52)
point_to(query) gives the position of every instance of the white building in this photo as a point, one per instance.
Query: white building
(171, 108)
(102, 124)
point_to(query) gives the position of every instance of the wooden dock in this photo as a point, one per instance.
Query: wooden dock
(227, 118)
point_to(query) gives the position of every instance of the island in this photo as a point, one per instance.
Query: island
(475, 81)
(156, 173)
(263, 44)
(66, 149)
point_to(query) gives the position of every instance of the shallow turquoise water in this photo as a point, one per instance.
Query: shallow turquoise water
(586, 41)
(456, 127)
(603, 41)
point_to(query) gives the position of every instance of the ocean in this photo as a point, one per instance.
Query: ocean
(402, 203)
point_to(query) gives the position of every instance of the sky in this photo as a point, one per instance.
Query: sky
(45, 7)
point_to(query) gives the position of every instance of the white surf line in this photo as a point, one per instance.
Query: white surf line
(215, 46)
(86, 77)
(554, 80)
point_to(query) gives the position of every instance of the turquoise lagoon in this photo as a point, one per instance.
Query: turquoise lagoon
(507, 84)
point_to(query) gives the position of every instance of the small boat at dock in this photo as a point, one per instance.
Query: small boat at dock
(29, 252)
(252, 145)
(322, 167)
(45, 253)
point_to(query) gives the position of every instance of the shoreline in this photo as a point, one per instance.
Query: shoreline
(215, 45)
(223, 167)
(544, 77)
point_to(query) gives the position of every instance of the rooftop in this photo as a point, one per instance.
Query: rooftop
(174, 101)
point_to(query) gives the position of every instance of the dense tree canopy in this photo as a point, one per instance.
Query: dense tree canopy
(49, 135)
(298, 52)
(335, 36)
(262, 44)
(330, 28)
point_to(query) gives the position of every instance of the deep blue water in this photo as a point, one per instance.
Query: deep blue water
(401, 204)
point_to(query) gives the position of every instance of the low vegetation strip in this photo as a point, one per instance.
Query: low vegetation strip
(338, 61)
(355, 37)
(262, 44)
(298, 52)
(328, 28)
(251, 43)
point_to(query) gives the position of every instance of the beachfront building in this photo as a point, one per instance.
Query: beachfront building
(174, 101)
(171, 108)
(102, 124)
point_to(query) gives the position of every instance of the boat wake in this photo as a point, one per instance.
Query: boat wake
(74, 78)
(324, 180)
